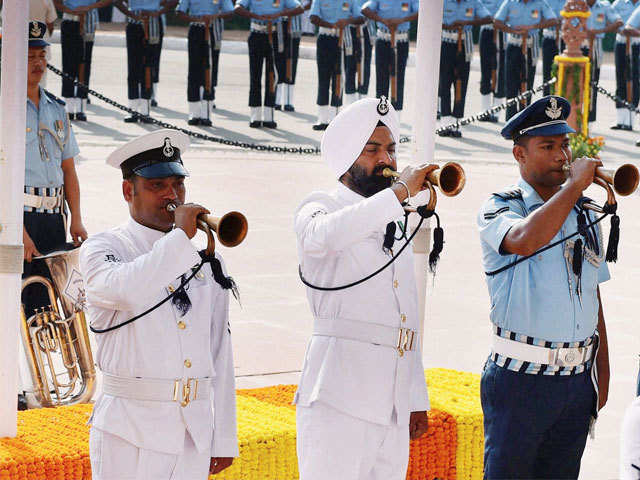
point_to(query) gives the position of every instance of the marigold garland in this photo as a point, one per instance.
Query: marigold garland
(53, 444)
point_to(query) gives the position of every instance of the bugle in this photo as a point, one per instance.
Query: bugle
(624, 180)
(231, 228)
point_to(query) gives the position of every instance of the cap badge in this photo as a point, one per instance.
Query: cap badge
(35, 30)
(553, 111)
(167, 150)
(383, 106)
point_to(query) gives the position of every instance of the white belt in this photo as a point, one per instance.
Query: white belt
(332, 32)
(38, 201)
(258, 27)
(623, 39)
(450, 36)
(561, 357)
(182, 391)
(400, 36)
(549, 33)
(514, 39)
(401, 339)
(71, 17)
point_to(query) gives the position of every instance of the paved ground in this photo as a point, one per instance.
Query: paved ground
(271, 328)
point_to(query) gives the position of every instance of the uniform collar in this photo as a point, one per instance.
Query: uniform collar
(348, 195)
(43, 97)
(147, 235)
(529, 195)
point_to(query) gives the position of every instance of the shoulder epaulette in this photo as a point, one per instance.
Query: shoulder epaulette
(509, 194)
(53, 97)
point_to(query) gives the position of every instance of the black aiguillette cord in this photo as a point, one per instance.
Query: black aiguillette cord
(157, 305)
(423, 212)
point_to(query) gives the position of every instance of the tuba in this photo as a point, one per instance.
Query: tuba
(55, 338)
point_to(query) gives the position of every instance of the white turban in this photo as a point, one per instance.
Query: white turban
(348, 133)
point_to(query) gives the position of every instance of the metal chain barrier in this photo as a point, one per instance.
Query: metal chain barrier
(614, 97)
(303, 150)
(495, 109)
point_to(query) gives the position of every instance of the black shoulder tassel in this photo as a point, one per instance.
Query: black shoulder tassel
(438, 245)
(216, 268)
(614, 237)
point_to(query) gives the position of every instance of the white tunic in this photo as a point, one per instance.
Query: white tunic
(340, 236)
(127, 270)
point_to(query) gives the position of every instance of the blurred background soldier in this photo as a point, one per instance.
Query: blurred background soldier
(520, 21)
(603, 19)
(206, 26)
(552, 43)
(144, 29)
(292, 31)
(393, 19)
(627, 52)
(334, 49)
(266, 45)
(366, 35)
(77, 32)
(456, 52)
(491, 62)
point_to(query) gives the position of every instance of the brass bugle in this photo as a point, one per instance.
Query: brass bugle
(450, 178)
(624, 179)
(231, 229)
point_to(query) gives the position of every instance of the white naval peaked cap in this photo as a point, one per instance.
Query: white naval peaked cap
(347, 134)
(153, 155)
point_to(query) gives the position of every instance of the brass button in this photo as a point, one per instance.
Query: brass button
(187, 363)
(395, 284)
(171, 289)
(28, 129)
(199, 275)
(403, 317)
(182, 325)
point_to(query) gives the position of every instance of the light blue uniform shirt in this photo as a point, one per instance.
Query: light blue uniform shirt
(44, 155)
(516, 13)
(492, 6)
(538, 296)
(266, 7)
(625, 8)
(634, 19)
(147, 5)
(199, 8)
(333, 10)
(73, 4)
(393, 9)
(462, 10)
(602, 14)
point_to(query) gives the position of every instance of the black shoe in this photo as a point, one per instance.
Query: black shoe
(256, 124)
(627, 128)
(81, 117)
(488, 118)
(193, 121)
(320, 126)
(277, 107)
(72, 116)
(445, 133)
(617, 126)
(205, 122)
(456, 133)
(638, 143)
(213, 105)
(131, 119)
(88, 101)
(154, 103)
(22, 402)
(289, 108)
(269, 124)
(146, 119)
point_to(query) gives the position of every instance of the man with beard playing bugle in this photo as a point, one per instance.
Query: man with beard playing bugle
(362, 393)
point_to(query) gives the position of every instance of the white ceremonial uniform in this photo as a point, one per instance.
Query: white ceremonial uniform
(630, 443)
(127, 270)
(355, 398)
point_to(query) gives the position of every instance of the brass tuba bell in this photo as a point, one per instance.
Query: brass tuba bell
(55, 338)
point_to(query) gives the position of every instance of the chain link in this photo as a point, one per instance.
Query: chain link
(614, 97)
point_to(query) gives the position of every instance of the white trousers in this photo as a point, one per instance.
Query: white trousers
(337, 446)
(630, 443)
(113, 458)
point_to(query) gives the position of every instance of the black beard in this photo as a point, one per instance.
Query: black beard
(365, 184)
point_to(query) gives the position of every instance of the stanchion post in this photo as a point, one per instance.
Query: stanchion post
(424, 126)
(13, 101)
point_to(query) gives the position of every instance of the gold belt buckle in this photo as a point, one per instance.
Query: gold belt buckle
(189, 393)
(405, 340)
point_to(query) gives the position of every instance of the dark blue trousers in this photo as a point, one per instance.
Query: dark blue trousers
(622, 74)
(518, 67)
(549, 51)
(488, 62)
(535, 426)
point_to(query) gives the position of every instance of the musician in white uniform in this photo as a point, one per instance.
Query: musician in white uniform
(167, 409)
(362, 392)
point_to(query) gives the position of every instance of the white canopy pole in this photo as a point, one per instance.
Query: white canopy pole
(424, 125)
(13, 112)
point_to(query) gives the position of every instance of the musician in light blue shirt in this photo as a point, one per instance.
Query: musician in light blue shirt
(391, 15)
(491, 47)
(544, 258)
(204, 53)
